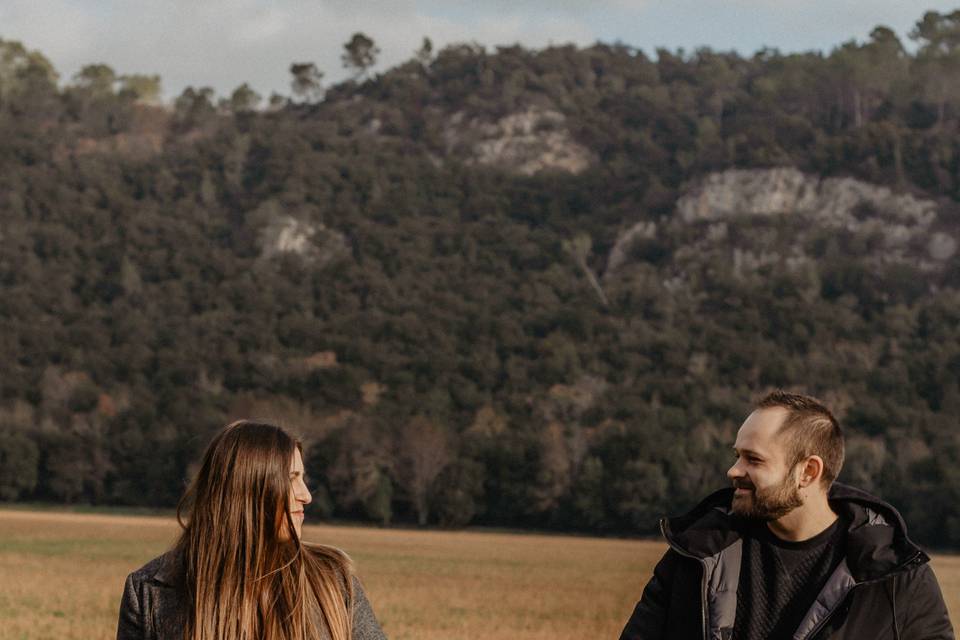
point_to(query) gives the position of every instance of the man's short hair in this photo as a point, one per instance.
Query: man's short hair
(809, 429)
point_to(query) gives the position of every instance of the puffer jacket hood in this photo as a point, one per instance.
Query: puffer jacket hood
(882, 588)
(877, 541)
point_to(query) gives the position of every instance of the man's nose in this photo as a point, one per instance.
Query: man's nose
(735, 471)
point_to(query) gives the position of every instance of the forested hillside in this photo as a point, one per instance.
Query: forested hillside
(510, 287)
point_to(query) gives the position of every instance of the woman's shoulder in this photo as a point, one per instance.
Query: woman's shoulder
(330, 559)
(167, 568)
(153, 604)
(365, 623)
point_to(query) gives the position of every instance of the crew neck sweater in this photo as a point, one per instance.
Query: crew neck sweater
(780, 579)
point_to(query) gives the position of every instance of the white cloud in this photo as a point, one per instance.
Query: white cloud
(268, 25)
(60, 29)
(849, 19)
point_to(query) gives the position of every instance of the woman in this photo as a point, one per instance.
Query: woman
(239, 570)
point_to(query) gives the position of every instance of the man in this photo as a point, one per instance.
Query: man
(788, 553)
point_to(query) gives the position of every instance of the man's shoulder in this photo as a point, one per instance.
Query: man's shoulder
(919, 578)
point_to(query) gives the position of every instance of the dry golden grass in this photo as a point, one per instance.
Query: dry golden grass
(61, 576)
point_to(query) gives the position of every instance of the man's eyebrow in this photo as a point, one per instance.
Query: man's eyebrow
(749, 452)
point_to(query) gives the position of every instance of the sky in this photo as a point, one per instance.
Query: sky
(224, 43)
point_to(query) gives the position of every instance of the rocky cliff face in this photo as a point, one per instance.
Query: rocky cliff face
(314, 243)
(782, 191)
(897, 227)
(525, 142)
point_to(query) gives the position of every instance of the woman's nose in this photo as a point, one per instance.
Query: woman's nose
(303, 495)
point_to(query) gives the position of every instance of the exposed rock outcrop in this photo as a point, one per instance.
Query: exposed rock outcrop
(526, 142)
(287, 235)
(787, 190)
(313, 242)
(900, 226)
(942, 247)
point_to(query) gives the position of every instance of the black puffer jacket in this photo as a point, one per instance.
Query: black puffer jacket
(884, 588)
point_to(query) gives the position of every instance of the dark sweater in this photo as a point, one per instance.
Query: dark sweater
(780, 580)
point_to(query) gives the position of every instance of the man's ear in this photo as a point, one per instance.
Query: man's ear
(811, 470)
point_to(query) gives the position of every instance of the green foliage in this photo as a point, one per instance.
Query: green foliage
(588, 495)
(243, 99)
(142, 88)
(348, 255)
(18, 464)
(378, 505)
(639, 493)
(359, 54)
(460, 493)
(18, 67)
(307, 82)
(98, 79)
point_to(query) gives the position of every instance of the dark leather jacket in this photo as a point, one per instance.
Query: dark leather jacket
(153, 606)
(884, 587)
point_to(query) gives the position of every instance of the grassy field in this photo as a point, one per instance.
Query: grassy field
(61, 575)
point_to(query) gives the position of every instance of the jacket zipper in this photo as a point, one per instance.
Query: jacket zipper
(820, 625)
(703, 579)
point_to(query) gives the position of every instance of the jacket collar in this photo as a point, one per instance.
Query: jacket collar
(877, 542)
(171, 569)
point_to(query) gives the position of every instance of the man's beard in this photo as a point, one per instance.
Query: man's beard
(767, 504)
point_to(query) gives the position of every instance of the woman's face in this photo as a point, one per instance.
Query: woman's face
(299, 495)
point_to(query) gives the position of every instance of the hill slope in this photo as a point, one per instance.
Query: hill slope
(518, 288)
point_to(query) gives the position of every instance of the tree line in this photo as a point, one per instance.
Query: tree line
(447, 336)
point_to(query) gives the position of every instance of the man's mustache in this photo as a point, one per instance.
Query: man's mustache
(741, 483)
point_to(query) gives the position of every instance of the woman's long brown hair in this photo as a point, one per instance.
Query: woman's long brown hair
(245, 582)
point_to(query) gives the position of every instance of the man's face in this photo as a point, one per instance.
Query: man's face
(766, 488)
